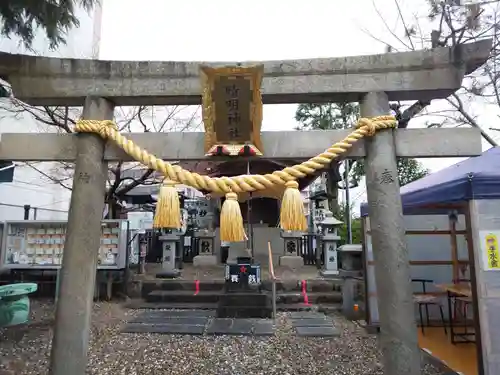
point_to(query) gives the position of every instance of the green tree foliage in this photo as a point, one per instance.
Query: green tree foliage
(327, 116)
(409, 170)
(312, 116)
(22, 18)
(357, 234)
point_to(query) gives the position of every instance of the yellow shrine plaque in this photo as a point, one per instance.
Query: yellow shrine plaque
(232, 109)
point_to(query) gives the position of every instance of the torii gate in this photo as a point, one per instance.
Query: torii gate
(372, 80)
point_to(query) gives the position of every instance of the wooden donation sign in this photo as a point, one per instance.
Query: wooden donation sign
(232, 110)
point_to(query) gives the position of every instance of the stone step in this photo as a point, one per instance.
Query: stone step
(177, 296)
(311, 285)
(245, 299)
(314, 298)
(183, 296)
(180, 285)
(327, 308)
(244, 305)
(144, 305)
(314, 285)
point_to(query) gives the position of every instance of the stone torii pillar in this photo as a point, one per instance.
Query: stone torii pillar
(399, 340)
(74, 307)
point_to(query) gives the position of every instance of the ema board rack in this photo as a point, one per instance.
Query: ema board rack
(34, 244)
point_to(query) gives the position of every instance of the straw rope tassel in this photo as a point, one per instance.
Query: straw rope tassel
(168, 208)
(292, 215)
(231, 221)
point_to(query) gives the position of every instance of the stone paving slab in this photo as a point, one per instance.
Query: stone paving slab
(306, 315)
(263, 328)
(223, 326)
(317, 332)
(188, 320)
(198, 322)
(321, 322)
(178, 313)
(164, 328)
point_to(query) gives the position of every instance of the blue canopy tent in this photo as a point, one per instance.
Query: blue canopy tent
(474, 178)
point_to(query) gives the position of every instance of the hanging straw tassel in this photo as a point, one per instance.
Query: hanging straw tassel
(231, 221)
(292, 216)
(168, 208)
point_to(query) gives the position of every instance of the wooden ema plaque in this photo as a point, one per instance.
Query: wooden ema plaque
(232, 110)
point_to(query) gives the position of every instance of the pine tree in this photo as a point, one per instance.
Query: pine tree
(22, 18)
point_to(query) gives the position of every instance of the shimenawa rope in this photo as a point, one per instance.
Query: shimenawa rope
(291, 218)
(238, 184)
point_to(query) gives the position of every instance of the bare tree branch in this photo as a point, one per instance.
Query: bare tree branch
(469, 119)
(128, 119)
(452, 26)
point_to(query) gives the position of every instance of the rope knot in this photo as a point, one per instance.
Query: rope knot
(368, 124)
(101, 127)
(104, 128)
(232, 196)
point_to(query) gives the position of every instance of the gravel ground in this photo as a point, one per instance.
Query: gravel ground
(26, 350)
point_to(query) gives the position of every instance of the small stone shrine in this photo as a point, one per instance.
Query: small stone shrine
(206, 245)
(291, 258)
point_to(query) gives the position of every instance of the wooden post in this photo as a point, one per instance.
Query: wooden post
(58, 286)
(399, 341)
(78, 272)
(454, 249)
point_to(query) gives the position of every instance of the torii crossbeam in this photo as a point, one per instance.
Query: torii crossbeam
(279, 145)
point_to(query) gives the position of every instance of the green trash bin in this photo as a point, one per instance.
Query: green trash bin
(15, 303)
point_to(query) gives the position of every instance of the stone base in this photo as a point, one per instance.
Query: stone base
(204, 261)
(291, 261)
(245, 305)
(238, 250)
(372, 329)
(350, 273)
(327, 273)
(172, 274)
(352, 315)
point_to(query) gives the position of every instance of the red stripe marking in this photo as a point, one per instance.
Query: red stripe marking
(304, 293)
(196, 287)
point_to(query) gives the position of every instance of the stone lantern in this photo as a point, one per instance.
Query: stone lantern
(329, 241)
(169, 242)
